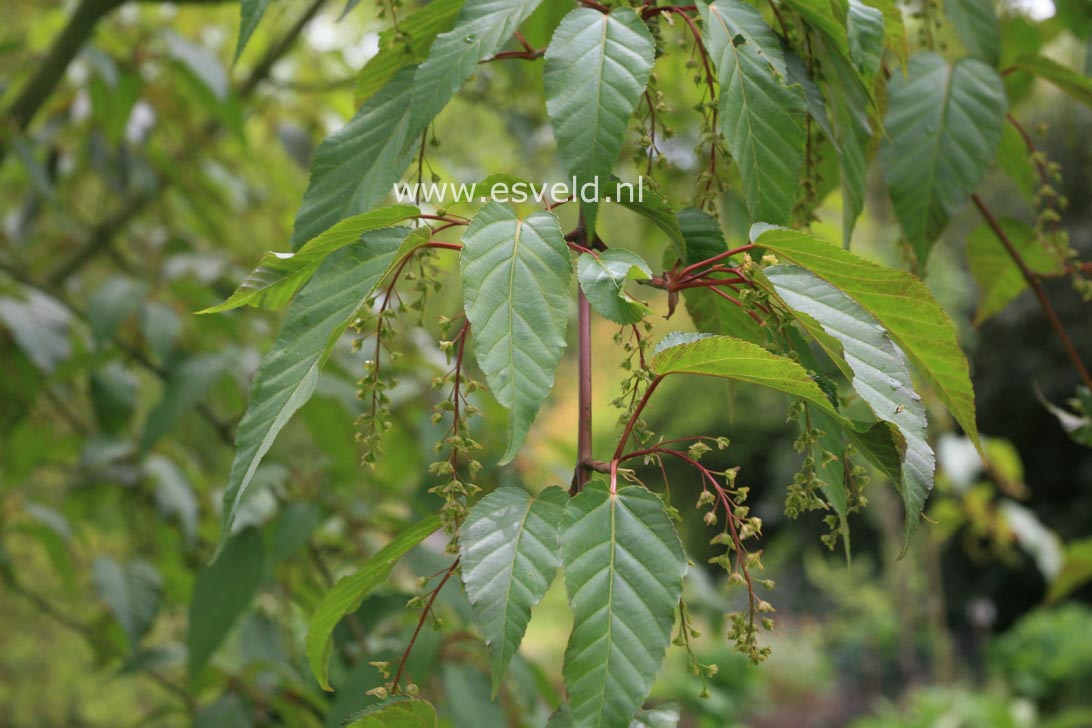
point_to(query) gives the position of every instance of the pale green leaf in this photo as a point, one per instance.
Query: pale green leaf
(406, 45)
(516, 290)
(731, 358)
(250, 15)
(347, 594)
(279, 275)
(597, 66)
(603, 277)
(881, 376)
(397, 712)
(999, 278)
(289, 372)
(1076, 569)
(509, 555)
(943, 127)
(761, 117)
(1068, 80)
(223, 591)
(132, 591)
(865, 26)
(624, 567)
(900, 302)
(975, 21)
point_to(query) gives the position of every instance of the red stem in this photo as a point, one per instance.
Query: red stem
(421, 623)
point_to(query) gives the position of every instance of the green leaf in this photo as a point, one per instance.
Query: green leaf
(509, 554)
(655, 208)
(865, 26)
(186, 385)
(943, 127)
(761, 117)
(289, 372)
(813, 97)
(819, 14)
(111, 304)
(999, 278)
(467, 690)
(131, 591)
(881, 376)
(279, 275)
(223, 591)
(347, 594)
(662, 716)
(250, 15)
(624, 567)
(900, 302)
(732, 358)
(852, 138)
(603, 278)
(1068, 80)
(482, 29)
(894, 29)
(597, 66)
(702, 236)
(1076, 569)
(406, 45)
(516, 290)
(174, 497)
(397, 712)
(977, 26)
(356, 166)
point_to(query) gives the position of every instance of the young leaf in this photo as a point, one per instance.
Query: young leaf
(250, 15)
(1068, 80)
(355, 167)
(624, 567)
(516, 290)
(223, 591)
(597, 66)
(943, 127)
(976, 23)
(289, 372)
(761, 117)
(998, 277)
(880, 374)
(731, 358)
(279, 275)
(900, 302)
(347, 594)
(509, 555)
(603, 278)
(482, 29)
(397, 712)
(406, 45)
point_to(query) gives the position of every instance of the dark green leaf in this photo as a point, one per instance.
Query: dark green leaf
(250, 15)
(943, 127)
(865, 26)
(516, 289)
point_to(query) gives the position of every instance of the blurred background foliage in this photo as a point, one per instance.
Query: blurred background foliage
(148, 179)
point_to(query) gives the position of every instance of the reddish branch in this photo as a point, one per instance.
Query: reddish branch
(421, 623)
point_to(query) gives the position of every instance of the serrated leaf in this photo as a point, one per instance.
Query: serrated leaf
(289, 371)
(998, 277)
(347, 594)
(1068, 80)
(655, 208)
(880, 374)
(397, 712)
(731, 358)
(516, 290)
(250, 15)
(481, 30)
(406, 45)
(900, 302)
(355, 167)
(865, 28)
(279, 275)
(975, 21)
(509, 555)
(624, 567)
(597, 66)
(603, 277)
(222, 592)
(761, 117)
(943, 126)
(664, 716)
